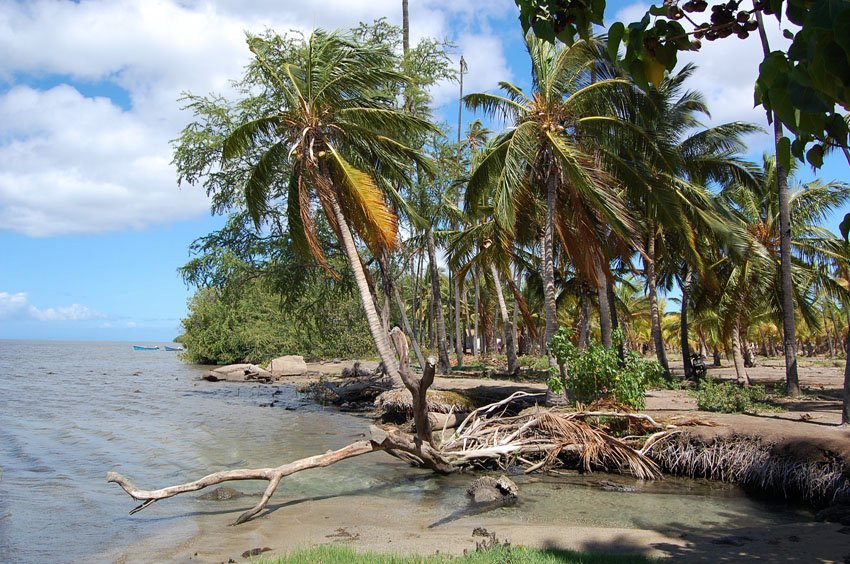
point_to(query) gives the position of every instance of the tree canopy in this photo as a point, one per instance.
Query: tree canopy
(806, 87)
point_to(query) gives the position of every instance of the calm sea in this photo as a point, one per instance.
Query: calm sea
(72, 411)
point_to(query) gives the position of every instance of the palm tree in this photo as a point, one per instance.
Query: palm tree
(485, 247)
(548, 153)
(671, 192)
(476, 137)
(812, 246)
(332, 139)
(789, 327)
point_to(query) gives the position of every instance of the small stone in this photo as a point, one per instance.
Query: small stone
(223, 493)
(255, 552)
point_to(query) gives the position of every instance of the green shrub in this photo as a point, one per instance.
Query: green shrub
(729, 397)
(253, 324)
(596, 372)
(534, 363)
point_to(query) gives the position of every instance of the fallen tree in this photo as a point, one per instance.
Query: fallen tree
(537, 441)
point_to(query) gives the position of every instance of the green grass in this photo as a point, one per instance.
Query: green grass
(512, 555)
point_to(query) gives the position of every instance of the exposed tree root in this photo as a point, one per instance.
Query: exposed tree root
(750, 461)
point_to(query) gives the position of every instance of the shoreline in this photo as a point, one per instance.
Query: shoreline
(384, 525)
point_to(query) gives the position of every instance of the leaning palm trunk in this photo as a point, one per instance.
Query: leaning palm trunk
(654, 315)
(503, 309)
(407, 329)
(737, 356)
(444, 365)
(683, 323)
(381, 338)
(789, 324)
(390, 289)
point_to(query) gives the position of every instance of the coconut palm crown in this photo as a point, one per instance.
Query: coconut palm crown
(549, 153)
(335, 141)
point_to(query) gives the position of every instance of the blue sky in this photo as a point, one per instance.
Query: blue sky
(92, 223)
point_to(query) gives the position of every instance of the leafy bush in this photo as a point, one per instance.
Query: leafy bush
(252, 324)
(729, 397)
(534, 363)
(596, 372)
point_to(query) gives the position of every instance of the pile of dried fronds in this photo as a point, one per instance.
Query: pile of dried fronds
(397, 405)
(750, 461)
(540, 441)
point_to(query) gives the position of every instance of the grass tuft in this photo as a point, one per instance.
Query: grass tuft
(330, 554)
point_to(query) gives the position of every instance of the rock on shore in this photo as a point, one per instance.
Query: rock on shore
(238, 373)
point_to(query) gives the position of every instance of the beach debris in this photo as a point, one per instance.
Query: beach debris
(356, 371)
(351, 391)
(396, 405)
(539, 440)
(490, 540)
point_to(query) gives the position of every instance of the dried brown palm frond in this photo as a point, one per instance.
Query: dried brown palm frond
(540, 441)
(399, 402)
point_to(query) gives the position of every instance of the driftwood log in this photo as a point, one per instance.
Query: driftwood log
(484, 437)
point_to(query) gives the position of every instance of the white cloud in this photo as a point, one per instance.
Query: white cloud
(73, 163)
(73, 312)
(487, 65)
(17, 306)
(12, 305)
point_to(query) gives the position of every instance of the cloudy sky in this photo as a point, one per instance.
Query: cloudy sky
(92, 223)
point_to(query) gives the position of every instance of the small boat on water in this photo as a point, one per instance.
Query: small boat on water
(173, 348)
(141, 348)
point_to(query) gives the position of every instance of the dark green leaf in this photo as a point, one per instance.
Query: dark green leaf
(615, 35)
(815, 156)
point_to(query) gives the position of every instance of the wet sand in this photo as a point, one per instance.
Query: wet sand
(379, 524)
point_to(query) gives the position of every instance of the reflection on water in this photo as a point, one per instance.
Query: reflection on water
(70, 412)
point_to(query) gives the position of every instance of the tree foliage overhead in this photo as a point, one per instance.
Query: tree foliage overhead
(807, 87)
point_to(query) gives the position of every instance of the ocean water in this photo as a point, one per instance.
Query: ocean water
(72, 411)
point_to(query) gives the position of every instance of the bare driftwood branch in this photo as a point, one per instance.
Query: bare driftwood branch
(273, 475)
(418, 387)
